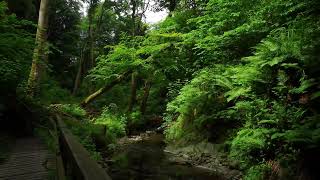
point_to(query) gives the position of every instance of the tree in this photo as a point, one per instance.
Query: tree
(25, 9)
(65, 43)
(16, 47)
(146, 91)
(133, 97)
(40, 51)
(91, 12)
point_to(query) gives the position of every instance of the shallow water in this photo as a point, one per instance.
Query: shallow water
(145, 159)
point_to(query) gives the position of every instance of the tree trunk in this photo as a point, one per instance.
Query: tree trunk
(172, 6)
(39, 54)
(91, 39)
(91, 55)
(78, 77)
(146, 90)
(91, 12)
(133, 96)
(98, 25)
(133, 16)
(106, 88)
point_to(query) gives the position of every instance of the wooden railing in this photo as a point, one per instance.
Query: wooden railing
(73, 160)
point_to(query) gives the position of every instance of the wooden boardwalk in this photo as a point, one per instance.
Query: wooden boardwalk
(29, 160)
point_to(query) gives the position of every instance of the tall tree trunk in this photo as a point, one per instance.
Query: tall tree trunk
(91, 39)
(78, 77)
(133, 97)
(39, 54)
(172, 6)
(91, 46)
(146, 90)
(91, 12)
(106, 88)
(98, 25)
(133, 16)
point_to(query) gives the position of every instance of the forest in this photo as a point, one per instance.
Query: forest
(216, 89)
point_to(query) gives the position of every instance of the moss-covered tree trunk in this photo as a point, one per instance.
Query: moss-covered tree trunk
(39, 54)
(104, 89)
(146, 91)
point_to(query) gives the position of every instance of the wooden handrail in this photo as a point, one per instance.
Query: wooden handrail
(76, 158)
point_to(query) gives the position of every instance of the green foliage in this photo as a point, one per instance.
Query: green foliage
(52, 93)
(258, 172)
(16, 47)
(255, 59)
(249, 144)
(243, 66)
(180, 133)
(135, 119)
(84, 132)
(73, 109)
(115, 124)
(247, 65)
(64, 37)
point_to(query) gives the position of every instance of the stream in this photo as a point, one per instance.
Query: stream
(144, 157)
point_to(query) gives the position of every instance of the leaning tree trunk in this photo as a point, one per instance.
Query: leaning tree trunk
(39, 54)
(146, 90)
(133, 97)
(106, 88)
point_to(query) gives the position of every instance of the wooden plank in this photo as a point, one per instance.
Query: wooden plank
(23, 165)
(29, 176)
(60, 169)
(27, 161)
(85, 167)
(28, 156)
(41, 155)
(18, 172)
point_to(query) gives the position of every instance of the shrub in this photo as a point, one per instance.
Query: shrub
(16, 47)
(249, 145)
(52, 93)
(115, 124)
(84, 131)
(258, 172)
(73, 109)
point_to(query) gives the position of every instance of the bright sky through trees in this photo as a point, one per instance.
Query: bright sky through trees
(151, 16)
(154, 17)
